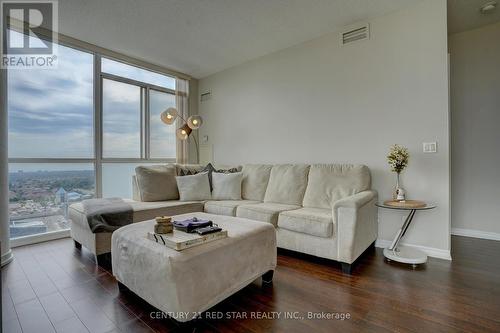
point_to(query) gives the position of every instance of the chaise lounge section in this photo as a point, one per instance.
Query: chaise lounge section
(324, 210)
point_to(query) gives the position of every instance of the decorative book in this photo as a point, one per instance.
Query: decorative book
(180, 240)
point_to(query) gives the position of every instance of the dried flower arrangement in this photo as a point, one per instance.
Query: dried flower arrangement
(398, 158)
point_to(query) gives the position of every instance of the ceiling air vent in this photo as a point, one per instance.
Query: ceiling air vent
(354, 34)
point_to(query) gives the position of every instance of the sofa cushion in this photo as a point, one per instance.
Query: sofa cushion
(312, 221)
(225, 207)
(143, 211)
(331, 182)
(287, 184)
(157, 182)
(255, 179)
(265, 211)
(195, 187)
(226, 186)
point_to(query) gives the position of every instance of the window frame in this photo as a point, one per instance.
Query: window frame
(98, 76)
(146, 89)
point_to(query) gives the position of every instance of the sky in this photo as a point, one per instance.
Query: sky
(51, 110)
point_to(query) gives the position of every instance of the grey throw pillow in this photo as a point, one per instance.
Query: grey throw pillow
(226, 186)
(208, 168)
(157, 182)
(194, 188)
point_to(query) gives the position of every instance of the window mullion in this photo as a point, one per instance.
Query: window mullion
(98, 125)
(147, 130)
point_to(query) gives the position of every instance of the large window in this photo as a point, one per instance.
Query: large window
(41, 193)
(132, 100)
(78, 132)
(137, 74)
(117, 179)
(162, 138)
(121, 119)
(51, 112)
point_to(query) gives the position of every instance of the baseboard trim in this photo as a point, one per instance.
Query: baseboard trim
(475, 233)
(430, 251)
(28, 240)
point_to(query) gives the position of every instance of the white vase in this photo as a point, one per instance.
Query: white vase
(399, 192)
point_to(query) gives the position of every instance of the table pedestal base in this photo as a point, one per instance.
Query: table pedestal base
(406, 254)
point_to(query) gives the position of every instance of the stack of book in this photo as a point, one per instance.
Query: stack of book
(180, 240)
(186, 236)
(163, 225)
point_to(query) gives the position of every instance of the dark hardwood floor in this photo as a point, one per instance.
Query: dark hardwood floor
(54, 287)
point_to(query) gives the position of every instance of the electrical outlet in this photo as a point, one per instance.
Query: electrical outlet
(430, 147)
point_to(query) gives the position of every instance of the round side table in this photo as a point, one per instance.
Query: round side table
(401, 253)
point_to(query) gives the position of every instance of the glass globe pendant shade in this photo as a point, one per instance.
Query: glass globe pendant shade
(195, 122)
(169, 115)
(183, 132)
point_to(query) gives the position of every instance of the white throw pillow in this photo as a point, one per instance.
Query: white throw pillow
(195, 187)
(226, 186)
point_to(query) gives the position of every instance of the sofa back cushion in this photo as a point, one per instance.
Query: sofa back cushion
(287, 184)
(157, 182)
(331, 182)
(255, 179)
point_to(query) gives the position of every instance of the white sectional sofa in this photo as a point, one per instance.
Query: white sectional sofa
(325, 210)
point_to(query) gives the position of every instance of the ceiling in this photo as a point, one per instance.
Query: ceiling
(202, 37)
(465, 15)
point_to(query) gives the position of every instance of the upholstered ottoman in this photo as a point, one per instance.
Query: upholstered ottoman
(185, 283)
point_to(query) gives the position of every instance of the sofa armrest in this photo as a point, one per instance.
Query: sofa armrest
(136, 194)
(355, 219)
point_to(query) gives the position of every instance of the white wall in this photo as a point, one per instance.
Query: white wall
(320, 102)
(475, 119)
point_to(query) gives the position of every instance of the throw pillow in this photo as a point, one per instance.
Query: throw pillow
(193, 188)
(226, 186)
(208, 168)
(230, 170)
(157, 182)
(184, 171)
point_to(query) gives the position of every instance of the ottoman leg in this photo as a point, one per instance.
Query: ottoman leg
(346, 268)
(77, 245)
(123, 288)
(104, 260)
(267, 277)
